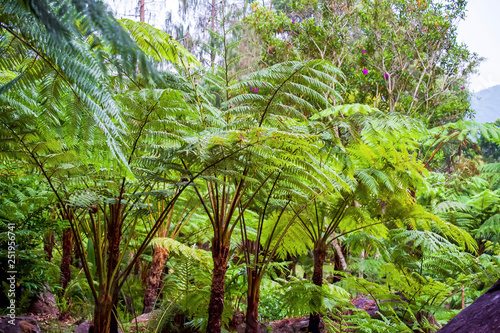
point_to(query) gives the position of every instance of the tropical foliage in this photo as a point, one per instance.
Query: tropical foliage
(334, 166)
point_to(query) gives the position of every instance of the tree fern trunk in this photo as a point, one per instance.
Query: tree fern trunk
(48, 245)
(220, 255)
(137, 266)
(114, 237)
(317, 279)
(66, 257)
(77, 260)
(113, 322)
(102, 315)
(160, 287)
(160, 256)
(253, 295)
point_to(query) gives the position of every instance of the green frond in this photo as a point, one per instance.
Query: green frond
(175, 247)
(293, 242)
(157, 44)
(489, 228)
(448, 206)
(344, 109)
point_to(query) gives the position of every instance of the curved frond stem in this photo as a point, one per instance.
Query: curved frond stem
(305, 225)
(270, 238)
(275, 92)
(244, 238)
(336, 219)
(273, 252)
(357, 229)
(440, 145)
(261, 220)
(249, 202)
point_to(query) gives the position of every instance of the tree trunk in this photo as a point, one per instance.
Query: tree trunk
(160, 287)
(212, 52)
(48, 245)
(114, 237)
(220, 253)
(338, 267)
(141, 10)
(76, 260)
(317, 279)
(340, 254)
(137, 265)
(66, 257)
(102, 315)
(362, 256)
(253, 295)
(160, 256)
(113, 326)
(144, 273)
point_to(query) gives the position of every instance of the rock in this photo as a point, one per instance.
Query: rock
(143, 318)
(21, 325)
(282, 329)
(45, 304)
(84, 328)
(483, 315)
(367, 304)
(242, 327)
(301, 325)
(293, 325)
(146, 317)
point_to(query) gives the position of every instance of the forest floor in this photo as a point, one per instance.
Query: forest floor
(51, 324)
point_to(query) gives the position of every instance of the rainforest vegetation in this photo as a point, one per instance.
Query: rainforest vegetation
(312, 159)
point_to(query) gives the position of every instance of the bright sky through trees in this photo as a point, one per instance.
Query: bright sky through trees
(481, 33)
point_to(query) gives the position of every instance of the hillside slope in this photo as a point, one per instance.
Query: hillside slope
(487, 104)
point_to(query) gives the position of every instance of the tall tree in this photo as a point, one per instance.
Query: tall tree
(398, 55)
(167, 233)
